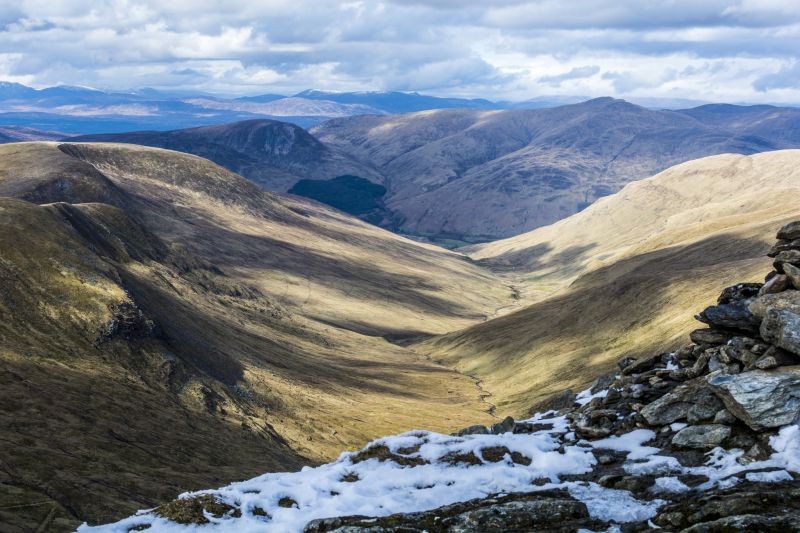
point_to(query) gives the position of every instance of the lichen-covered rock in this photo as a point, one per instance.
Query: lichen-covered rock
(789, 300)
(761, 399)
(703, 437)
(781, 327)
(675, 405)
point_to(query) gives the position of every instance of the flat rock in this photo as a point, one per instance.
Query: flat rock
(548, 511)
(704, 437)
(709, 336)
(761, 399)
(734, 315)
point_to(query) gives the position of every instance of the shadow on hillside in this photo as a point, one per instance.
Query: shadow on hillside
(623, 309)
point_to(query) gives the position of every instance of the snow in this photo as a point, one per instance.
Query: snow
(586, 396)
(385, 488)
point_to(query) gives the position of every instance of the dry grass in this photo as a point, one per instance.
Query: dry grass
(624, 277)
(272, 319)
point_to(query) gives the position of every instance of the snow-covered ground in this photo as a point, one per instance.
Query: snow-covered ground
(378, 488)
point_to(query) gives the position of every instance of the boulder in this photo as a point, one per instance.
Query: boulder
(675, 405)
(761, 399)
(703, 437)
(789, 256)
(734, 315)
(781, 327)
(790, 231)
(782, 300)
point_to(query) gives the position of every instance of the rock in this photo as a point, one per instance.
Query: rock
(723, 416)
(602, 383)
(777, 283)
(783, 245)
(641, 365)
(623, 363)
(783, 300)
(675, 405)
(761, 399)
(709, 336)
(759, 501)
(545, 511)
(477, 429)
(782, 328)
(738, 293)
(789, 256)
(793, 273)
(733, 316)
(775, 357)
(790, 231)
(506, 426)
(706, 406)
(703, 437)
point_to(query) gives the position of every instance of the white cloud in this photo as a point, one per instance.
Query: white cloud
(735, 50)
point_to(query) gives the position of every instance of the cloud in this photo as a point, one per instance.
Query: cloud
(574, 74)
(785, 78)
(505, 49)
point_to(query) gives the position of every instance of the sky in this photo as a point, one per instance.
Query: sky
(711, 50)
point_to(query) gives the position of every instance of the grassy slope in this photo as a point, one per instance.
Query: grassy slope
(616, 279)
(269, 347)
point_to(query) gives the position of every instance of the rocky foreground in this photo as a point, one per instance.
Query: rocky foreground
(703, 439)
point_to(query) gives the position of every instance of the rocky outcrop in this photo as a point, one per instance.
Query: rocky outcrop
(761, 399)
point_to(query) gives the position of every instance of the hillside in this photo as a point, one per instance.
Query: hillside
(603, 284)
(271, 153)
(479, 175)
(161, 315)
(704, 438)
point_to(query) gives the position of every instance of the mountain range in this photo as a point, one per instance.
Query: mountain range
(86, 110)
(467, 175)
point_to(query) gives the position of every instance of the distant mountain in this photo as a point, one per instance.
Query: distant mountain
(12, 134)
(287, 107)
(479, 175)
(86, 110)
(273, 154)
(780, 124)
(398, 102)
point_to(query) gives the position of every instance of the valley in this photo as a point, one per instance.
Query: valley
(161, 315)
